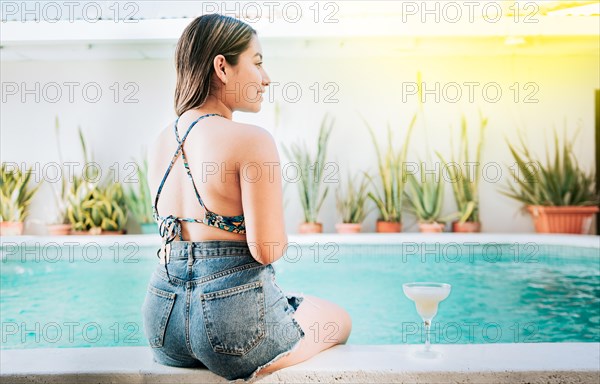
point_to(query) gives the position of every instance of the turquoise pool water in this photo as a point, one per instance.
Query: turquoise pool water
(500, 293)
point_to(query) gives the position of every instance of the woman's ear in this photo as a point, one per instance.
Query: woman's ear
(220, 65)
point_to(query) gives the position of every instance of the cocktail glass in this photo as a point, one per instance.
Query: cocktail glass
(427, 296)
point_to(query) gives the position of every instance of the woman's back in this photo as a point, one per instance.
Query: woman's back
(236, 171)
(212, 151)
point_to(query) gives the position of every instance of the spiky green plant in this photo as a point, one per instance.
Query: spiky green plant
(139, 201)
(93, 206)
(425, 196)
(464, 178)
(311, 172)
(388, 196)
(78, 201)
(560, 182)
(351, 202)
(15, 193)
(107, 209)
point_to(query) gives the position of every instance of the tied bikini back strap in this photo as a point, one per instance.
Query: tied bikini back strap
(187, 167)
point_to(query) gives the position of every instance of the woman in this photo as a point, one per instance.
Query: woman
(213, 301)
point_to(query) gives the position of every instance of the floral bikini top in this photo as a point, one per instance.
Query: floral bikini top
(170, 226)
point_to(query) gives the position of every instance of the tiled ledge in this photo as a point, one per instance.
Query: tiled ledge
(592, 241)
(460, 363)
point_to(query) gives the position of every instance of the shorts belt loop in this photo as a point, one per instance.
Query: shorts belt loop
(190, 253)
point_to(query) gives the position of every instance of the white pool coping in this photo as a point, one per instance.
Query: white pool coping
(460, 363)
(592, 241)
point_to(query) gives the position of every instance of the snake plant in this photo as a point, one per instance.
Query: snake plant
(558, 182)
(15, 193)
(351, 203)
(464, 178)
(389, 199)
(311, 172)
(139, 201)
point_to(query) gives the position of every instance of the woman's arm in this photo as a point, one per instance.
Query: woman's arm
(262, 196)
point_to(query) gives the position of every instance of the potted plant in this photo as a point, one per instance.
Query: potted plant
(560, 196)
(351, 206)
(59, 224)
(311, 178)
(388, 199)
(107, 210)
(465, 185)
(94, 208)
(139, 202)
(77, 207)
(425, 200)
(15, 197)
(97, 210)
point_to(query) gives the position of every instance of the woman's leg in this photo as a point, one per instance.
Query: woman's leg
(324, 323)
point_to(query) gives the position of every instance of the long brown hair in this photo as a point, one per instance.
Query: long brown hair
(206, 37)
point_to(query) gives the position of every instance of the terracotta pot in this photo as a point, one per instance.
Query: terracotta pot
(58, 229)
(311, 228)
(76, 233)
(11, 228)
(98, 231)
(119, 232)
(466, 227)
(348, 227)
(431, 227)
(388, 226)
(562, 219)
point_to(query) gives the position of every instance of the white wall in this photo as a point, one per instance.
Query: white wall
(370, 85)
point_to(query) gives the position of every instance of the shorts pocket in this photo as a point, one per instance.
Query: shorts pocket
(235, 318)
(156, 311)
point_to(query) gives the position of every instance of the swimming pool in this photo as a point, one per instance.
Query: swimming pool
(89, 293)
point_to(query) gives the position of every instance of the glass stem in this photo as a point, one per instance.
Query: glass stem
(427, 342)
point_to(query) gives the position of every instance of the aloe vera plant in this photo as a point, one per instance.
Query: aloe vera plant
(425, 197)
(351, 203)
(15, 193)
(139, 201)
(464, 178)
(312, 172)
(558, 182)
(388, 199)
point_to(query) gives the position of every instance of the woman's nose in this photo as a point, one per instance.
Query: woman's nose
(266, 80)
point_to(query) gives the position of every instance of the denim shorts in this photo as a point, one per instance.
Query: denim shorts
(218, 308)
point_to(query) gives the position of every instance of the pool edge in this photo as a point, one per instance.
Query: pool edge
(481, 363)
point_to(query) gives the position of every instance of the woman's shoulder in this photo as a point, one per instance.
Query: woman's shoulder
(249, 131)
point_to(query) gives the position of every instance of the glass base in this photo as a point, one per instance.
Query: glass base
(426, 354)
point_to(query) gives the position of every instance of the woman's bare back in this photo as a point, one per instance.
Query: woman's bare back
(211, 151)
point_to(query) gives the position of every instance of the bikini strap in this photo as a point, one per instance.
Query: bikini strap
(174, 158)
(186, 164)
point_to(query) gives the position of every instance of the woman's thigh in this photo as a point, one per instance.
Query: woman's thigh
(324, 323)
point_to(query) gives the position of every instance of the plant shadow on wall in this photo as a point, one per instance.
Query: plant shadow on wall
(560, 196)
(311, 176)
